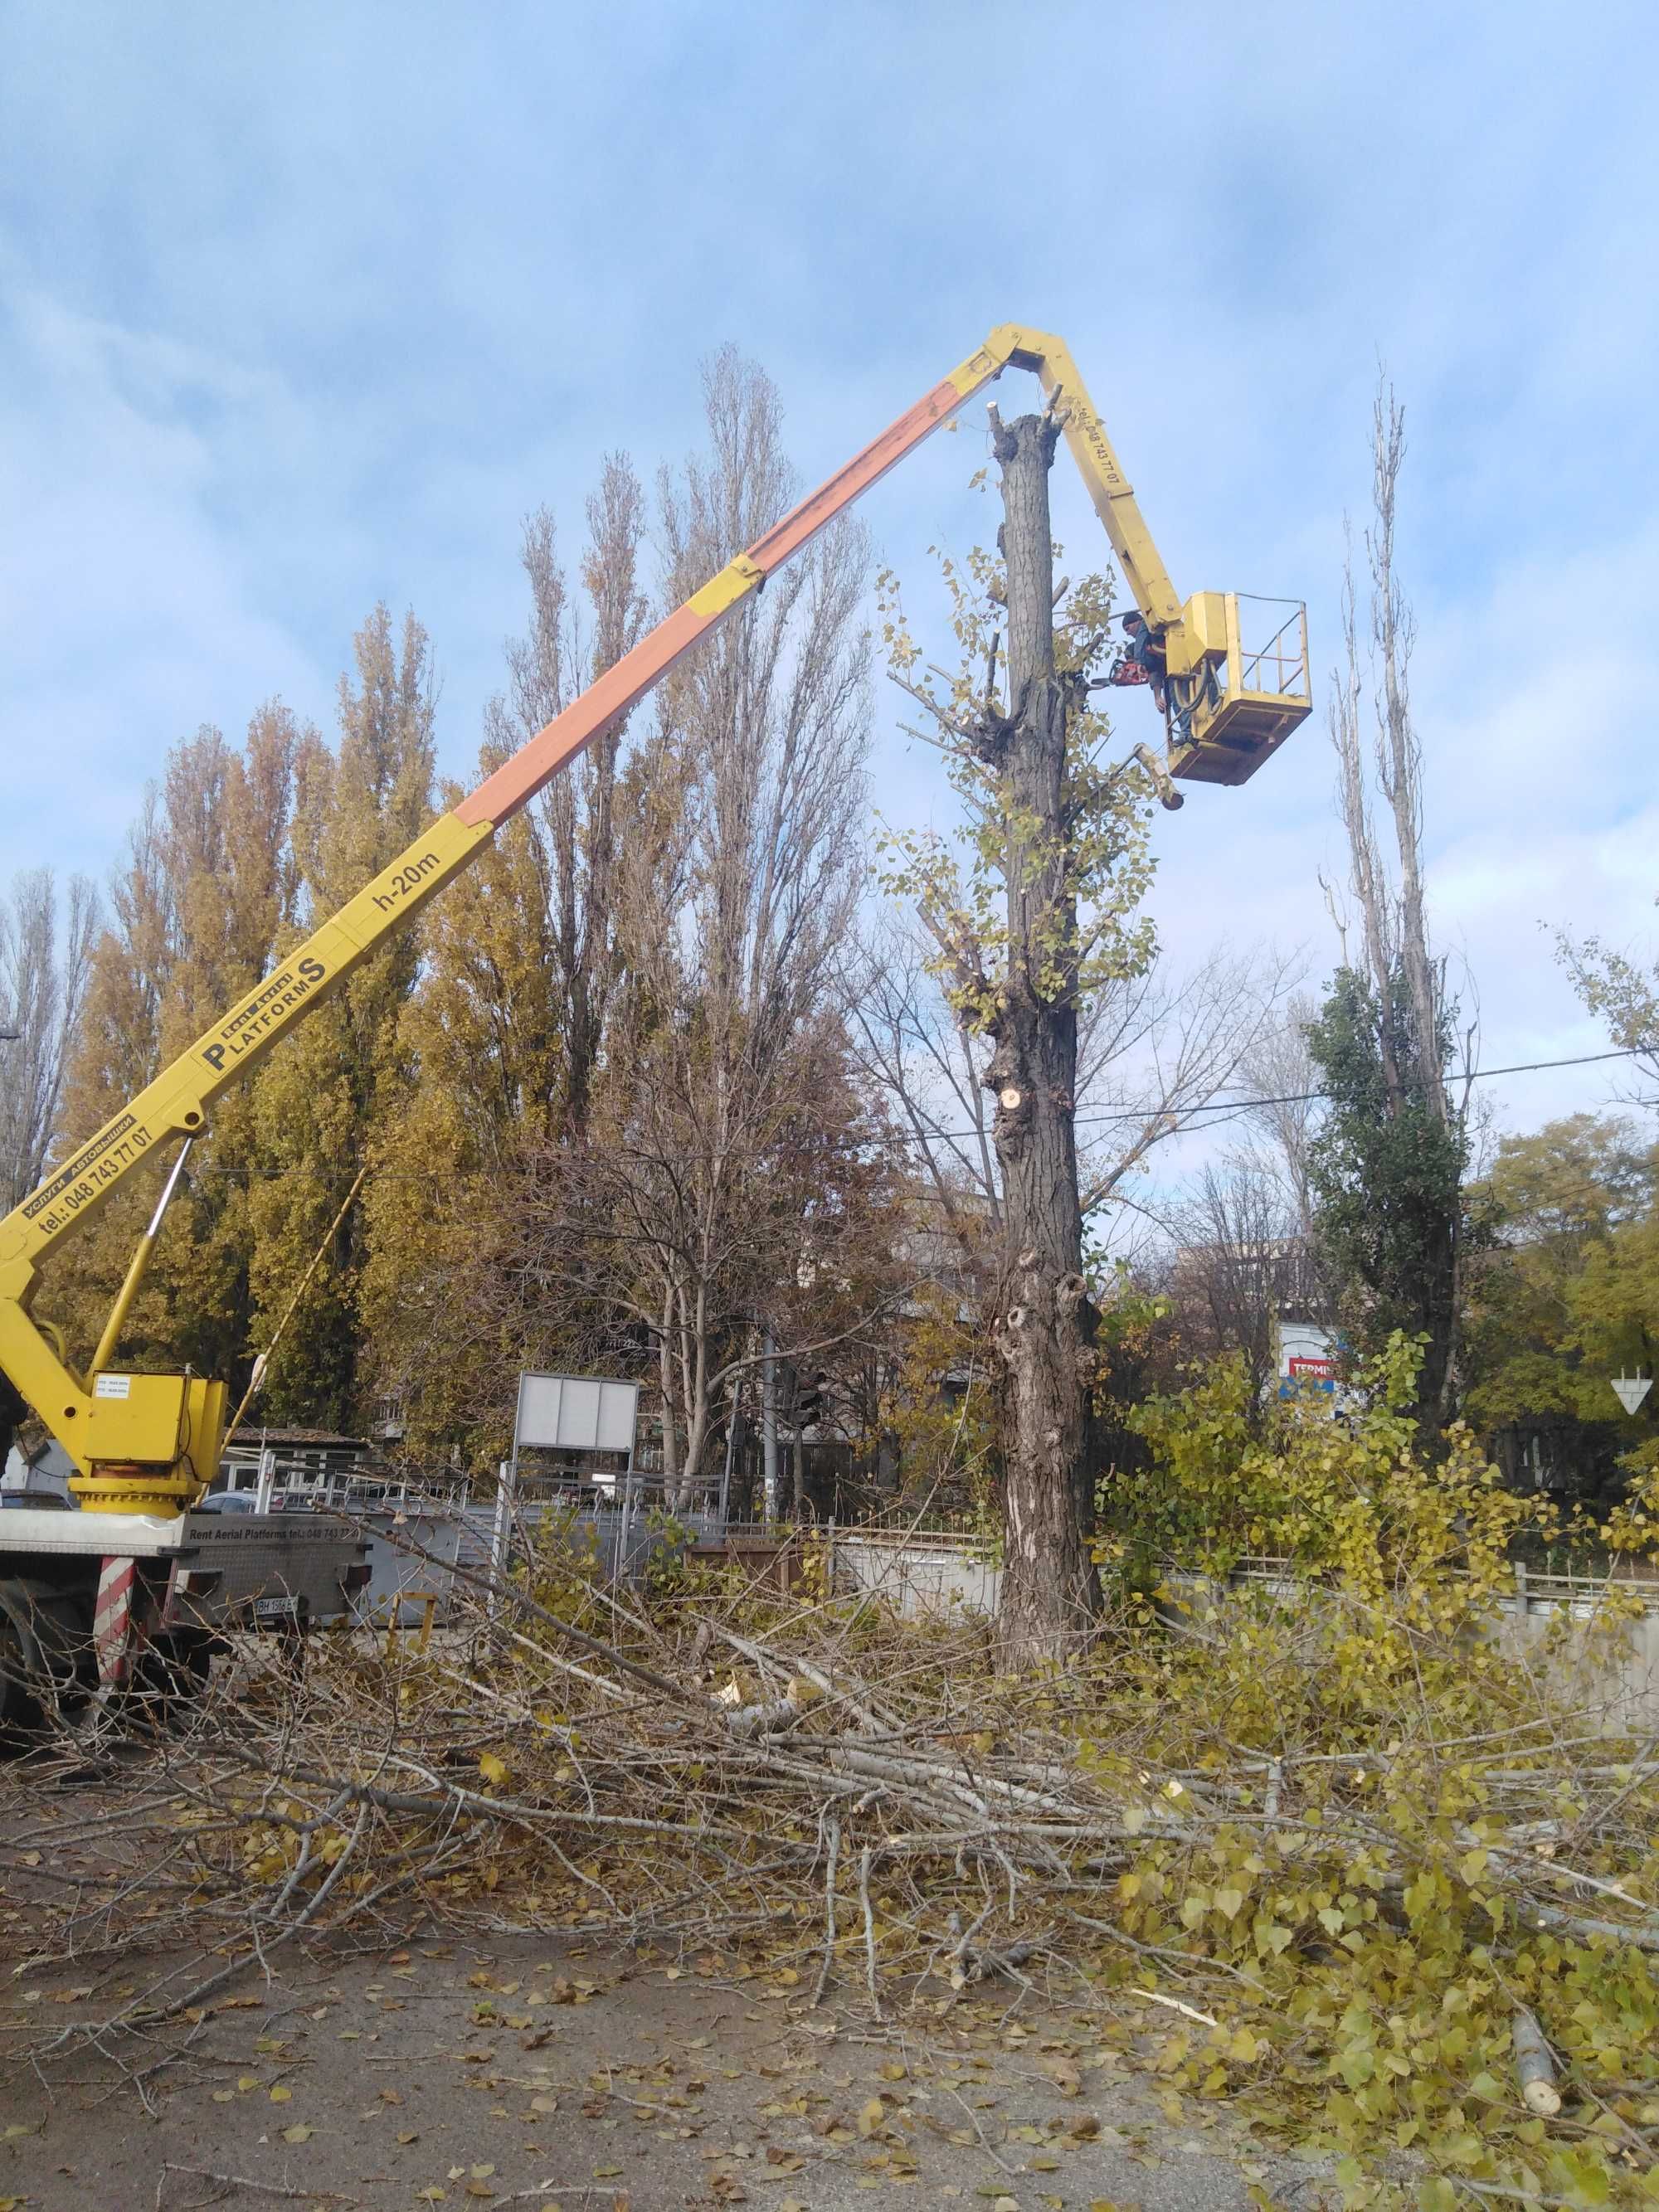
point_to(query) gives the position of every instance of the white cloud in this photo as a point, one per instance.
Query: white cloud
(126, 614)
(309, 306)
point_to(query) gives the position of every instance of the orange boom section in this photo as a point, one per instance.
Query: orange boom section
(500, 796)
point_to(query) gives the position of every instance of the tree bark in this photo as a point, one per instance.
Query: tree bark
(1049, 1589)
(670, 1457)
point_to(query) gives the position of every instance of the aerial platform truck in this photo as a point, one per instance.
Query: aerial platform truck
(138, 1579)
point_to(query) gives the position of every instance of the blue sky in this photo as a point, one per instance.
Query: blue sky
(305, 305)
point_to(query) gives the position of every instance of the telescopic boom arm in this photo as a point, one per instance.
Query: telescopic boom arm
(148, 1444)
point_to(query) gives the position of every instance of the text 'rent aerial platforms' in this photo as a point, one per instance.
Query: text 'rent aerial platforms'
(1233, 686)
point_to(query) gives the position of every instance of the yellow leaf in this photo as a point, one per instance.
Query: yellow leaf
(279, 2095)
(494, 1770)
(872, 2117)
(300, 2133)
(1062, 2073)
(483, 2173)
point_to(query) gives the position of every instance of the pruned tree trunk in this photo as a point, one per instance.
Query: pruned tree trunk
(1046, 1325)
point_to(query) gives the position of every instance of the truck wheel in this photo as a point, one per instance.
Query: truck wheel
(44, 1651)
(16, 1662)
(173, 1674)
(292, 1641)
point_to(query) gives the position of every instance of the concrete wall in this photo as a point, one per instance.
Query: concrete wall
(1556, 1626)
(919, 1576)
(1612, 1670)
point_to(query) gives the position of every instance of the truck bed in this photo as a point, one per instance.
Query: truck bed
(250, 1557)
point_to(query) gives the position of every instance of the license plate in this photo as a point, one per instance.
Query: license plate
(275, 1609)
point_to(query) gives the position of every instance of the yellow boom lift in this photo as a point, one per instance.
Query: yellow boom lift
(149, 1444)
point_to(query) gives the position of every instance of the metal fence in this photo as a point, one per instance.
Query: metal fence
(415, 1545)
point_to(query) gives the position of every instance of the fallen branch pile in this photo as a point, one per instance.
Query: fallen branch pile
(1372, 1886)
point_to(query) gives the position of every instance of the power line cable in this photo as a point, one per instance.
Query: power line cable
(1213, 1114)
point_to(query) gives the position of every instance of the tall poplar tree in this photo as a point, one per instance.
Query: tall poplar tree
(194, 919)
(45, 963)
(505, 1028)
(1387, 1170)
(346, 1073)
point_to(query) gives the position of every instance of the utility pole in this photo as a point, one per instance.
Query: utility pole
(769, 1429)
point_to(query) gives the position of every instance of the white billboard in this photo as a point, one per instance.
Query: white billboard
(576, 1412)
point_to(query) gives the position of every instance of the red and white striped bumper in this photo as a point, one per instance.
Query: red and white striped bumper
(111, 1621)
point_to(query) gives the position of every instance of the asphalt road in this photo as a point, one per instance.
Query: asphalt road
(539, 2072)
